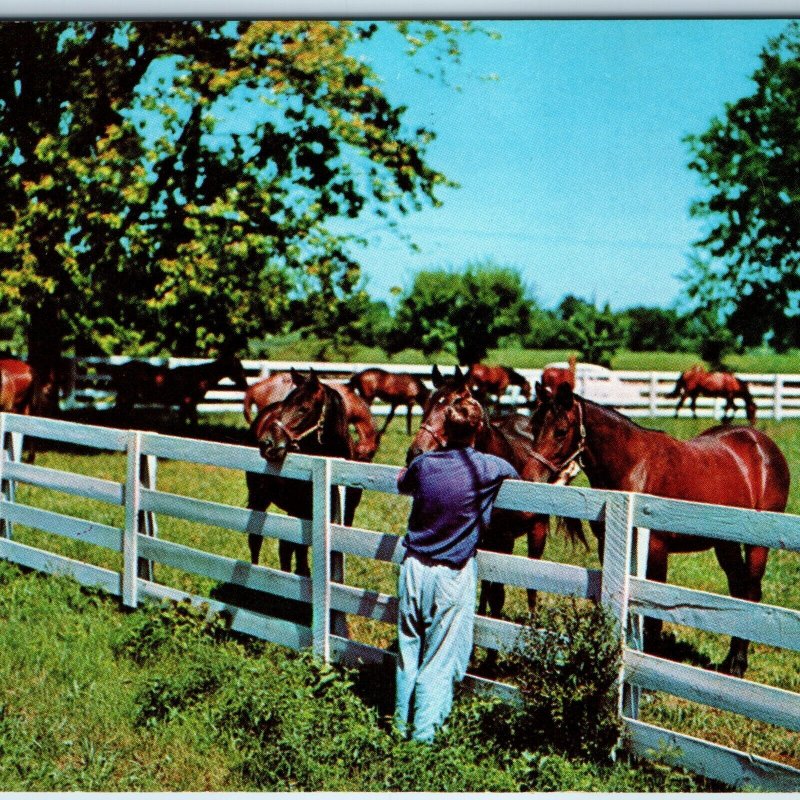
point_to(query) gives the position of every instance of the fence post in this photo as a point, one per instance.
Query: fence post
(5, 527)
(13, 453)
(777, 399)
(149, 525)
(321, 558)
(653, 394)
(618, 550)
(130, 548)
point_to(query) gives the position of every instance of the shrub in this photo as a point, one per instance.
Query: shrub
(567, 665)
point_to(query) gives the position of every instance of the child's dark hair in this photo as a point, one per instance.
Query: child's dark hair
(462, 422)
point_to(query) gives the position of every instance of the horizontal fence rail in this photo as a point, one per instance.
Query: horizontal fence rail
(135, 543)
(634, 392)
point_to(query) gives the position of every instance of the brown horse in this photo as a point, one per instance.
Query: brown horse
(311, 419)
(725, 465)
(395, 388)
(485, 380)
(553, 377)
(508, 438)
(277, 387)
(698, 381)
(25, 390)
(185, 387)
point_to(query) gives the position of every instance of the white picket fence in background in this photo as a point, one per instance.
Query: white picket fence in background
(619, 585)
(635, 393)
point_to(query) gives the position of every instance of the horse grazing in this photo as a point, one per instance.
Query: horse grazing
(508, 438)
(553, 377)
(185, 387)
(395, 388)
(311, 419)
(485, 380)
(698, 381)
(725, 465)
(277, 387)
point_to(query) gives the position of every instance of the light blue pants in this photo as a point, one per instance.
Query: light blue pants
(435, 624)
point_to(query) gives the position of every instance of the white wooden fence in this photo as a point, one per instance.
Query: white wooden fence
(635, 393)
(619, 585)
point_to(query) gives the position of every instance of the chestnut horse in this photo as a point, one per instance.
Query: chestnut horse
(395, 388)
(276, 388)
(185, 387)
(310, 419)
(553, 377)
(23, 389)
(485, 380)
(698, 381)
(725, 465)
(508, 438)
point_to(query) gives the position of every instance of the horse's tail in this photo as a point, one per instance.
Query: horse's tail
(749, 403)
(42, 397)
(574, 530)
(248, 406)
(680, 385)
(354, 383)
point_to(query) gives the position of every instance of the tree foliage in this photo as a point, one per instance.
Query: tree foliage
(464, 313)
(748, 263)
(170, 185)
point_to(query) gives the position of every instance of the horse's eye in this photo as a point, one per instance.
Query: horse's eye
(561, 433)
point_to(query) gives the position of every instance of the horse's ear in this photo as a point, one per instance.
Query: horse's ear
(436, 377)
(313, 379)
(564, 396)
(458, 374)
(297, 378)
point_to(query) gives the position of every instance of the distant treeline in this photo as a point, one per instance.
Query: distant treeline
(486, 306)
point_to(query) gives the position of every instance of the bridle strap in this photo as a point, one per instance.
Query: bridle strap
(316, 427)
(572, 463)
(432, 433)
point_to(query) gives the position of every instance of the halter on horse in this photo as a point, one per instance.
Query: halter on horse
(311, 420)
(725, 465)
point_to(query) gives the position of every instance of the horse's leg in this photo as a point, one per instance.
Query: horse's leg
(256, 501)
(694, 404)
(744, 575)
(352, 497)
(681, 401)
(656, 571)
(537, 537)
(388, 419)
(408, 419)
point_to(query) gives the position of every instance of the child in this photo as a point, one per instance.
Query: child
(454, 490)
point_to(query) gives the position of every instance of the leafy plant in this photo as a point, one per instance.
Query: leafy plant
(567, 664)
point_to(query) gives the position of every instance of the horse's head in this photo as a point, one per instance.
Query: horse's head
(448, 392)
(559, 434)
(281, 428)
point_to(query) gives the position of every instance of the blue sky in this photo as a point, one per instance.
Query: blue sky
(571, 161)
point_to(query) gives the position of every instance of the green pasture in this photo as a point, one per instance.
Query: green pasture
(389, 513)
(309, 348)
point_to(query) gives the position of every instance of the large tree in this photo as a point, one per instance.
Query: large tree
(465, 313)
(170, 185)
(747, 265)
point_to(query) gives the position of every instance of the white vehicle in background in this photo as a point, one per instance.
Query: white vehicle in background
(601, 385)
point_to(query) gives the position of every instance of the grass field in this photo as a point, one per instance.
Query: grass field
(308, 349)
(389, 513)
